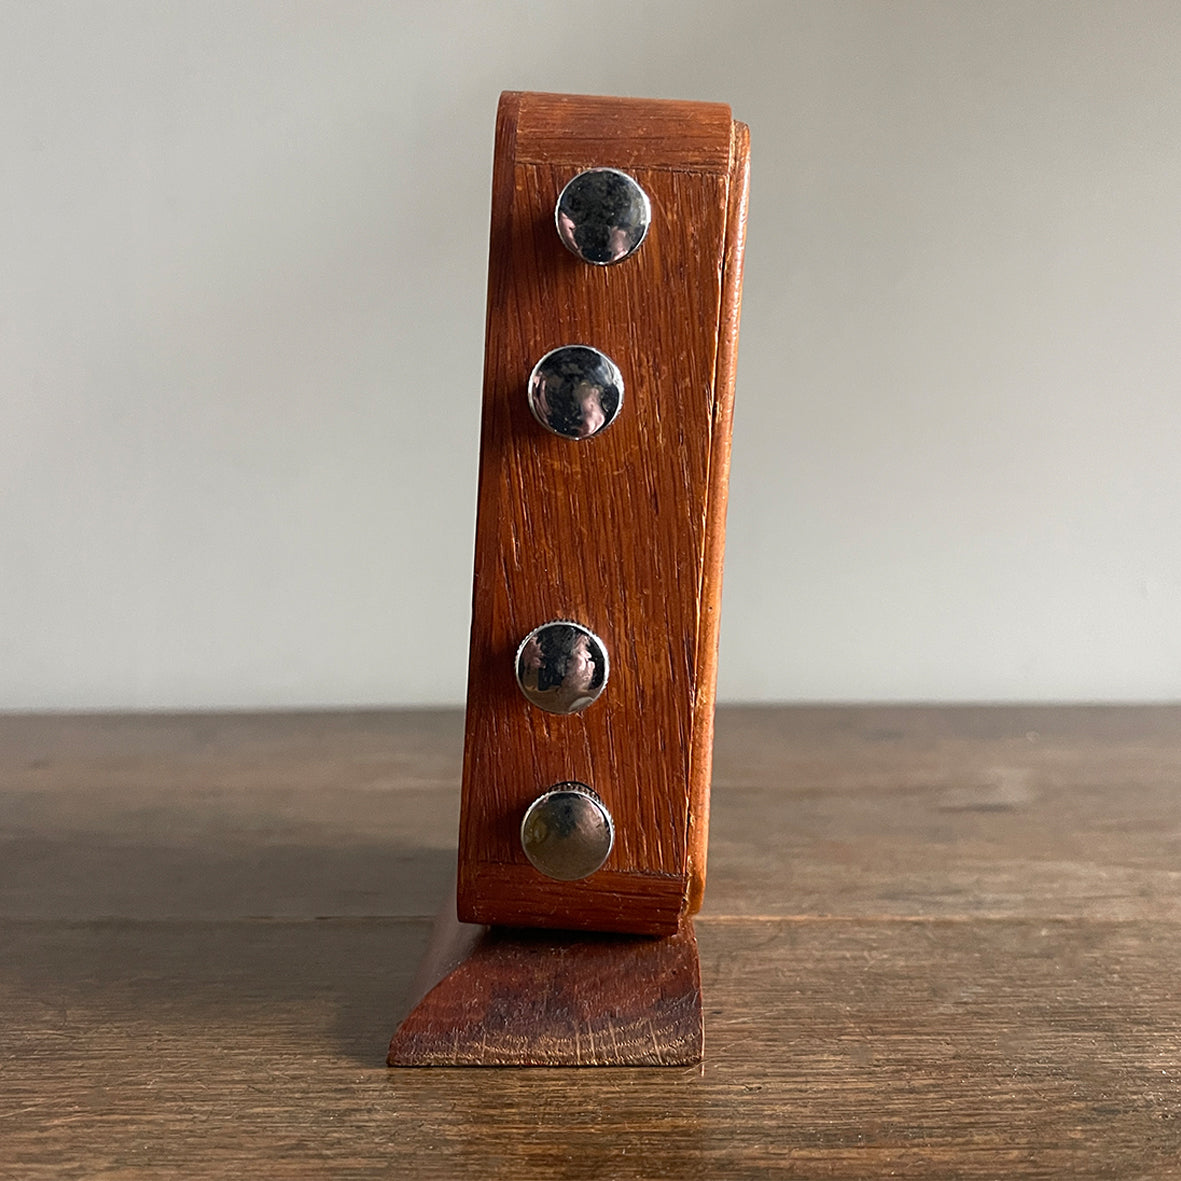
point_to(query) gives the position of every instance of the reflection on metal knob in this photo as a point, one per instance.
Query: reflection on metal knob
(602, 216)
(575, 391)
(562, 667)
(567, 833)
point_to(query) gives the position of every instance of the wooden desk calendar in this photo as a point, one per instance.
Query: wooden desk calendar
(614, 290)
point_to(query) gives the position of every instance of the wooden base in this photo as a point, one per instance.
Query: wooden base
(496, 996)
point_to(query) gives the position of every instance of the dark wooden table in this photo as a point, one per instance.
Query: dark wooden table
(936, 943)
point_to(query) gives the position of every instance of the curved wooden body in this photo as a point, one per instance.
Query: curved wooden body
(622, 532)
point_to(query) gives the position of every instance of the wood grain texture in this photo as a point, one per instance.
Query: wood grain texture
(718, 490)
(610, 531)
(585, 132)
(923, 1049)
(873, 812)
(500, 996)
(937, 943)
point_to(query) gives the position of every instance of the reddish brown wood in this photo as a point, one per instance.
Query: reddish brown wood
(701, 760)
(621, 132)
(515, 997)
(622, 531)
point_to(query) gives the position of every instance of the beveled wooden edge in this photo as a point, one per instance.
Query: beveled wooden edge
(498, 996)
(710, 597)
(659, 133)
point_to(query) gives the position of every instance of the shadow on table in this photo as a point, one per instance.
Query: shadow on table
(263, 970)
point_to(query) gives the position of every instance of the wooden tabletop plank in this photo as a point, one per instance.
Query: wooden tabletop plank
(874, 812)
(937, 942)
(843, 1049)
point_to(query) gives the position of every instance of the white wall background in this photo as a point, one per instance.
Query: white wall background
(242, 254)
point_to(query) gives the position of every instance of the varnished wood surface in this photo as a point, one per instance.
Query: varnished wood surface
(527, 996)
(709, 620)
(633, 132)
(937, 943)
(611, 531)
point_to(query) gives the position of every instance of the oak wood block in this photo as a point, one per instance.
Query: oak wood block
(621, 532)
(500, 996)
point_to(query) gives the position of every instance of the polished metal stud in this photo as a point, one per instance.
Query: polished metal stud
(575, 391)
(602, 215)
(567, 833)
(562, 667)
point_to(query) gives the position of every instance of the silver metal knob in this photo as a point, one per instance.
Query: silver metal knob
(575, 391)
(602, 215)
(562, 667)
(567, 833)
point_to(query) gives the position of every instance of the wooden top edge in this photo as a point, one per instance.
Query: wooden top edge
(584, 130)
(740, 174)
